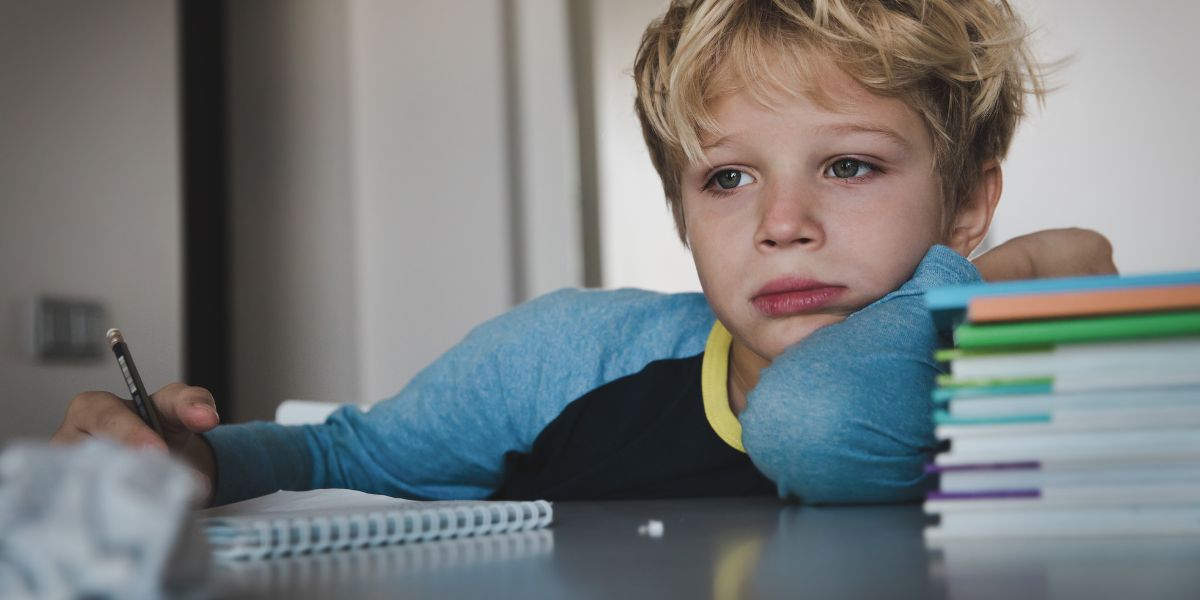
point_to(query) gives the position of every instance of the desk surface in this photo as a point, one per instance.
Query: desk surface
(734, 548)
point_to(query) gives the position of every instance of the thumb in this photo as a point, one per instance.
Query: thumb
(187, 407)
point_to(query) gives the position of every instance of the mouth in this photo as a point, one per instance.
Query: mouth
(789, 296)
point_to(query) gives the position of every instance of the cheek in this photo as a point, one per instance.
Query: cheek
(715, 269)
(893, 239)
(712, 239)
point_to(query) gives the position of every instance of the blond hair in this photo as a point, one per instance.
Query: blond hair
(963, 65)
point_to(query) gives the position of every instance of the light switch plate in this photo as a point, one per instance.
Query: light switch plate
(68, 328)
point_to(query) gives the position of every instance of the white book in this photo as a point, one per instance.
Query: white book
(1054, 522)
(999, 406)
(1040, 477)
(1087, 446)
(1077, 420)
(1126, 379)
(295, 523)
(1091, 496)
(1168, 354)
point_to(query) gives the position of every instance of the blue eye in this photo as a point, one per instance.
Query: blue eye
(848, 168)
(729, 179)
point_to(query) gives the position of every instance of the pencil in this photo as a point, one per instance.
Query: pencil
(141, 398)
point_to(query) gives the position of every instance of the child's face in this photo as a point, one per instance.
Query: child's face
(809, 214)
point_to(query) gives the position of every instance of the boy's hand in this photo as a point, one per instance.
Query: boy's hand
(1048, 253)
(183, 412)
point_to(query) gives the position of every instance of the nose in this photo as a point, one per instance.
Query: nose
(788, 218)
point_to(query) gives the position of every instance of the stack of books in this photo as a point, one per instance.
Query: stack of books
(1071, 407)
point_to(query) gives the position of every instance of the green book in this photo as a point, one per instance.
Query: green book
(950, 381)
(1072, 331)
(952, 354)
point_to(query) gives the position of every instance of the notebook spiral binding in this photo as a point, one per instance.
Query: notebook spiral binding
(263, 538)
(371, 566)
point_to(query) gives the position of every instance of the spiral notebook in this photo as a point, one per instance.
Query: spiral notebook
(329, 574)
(300, 523)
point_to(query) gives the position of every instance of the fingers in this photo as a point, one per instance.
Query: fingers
(100, 414)
(183, 410)
(188, 408)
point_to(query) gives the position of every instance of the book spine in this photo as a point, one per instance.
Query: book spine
(1080, 304)
(959, 297)
(1078, 330)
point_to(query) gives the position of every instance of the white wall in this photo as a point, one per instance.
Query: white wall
(89, 192)
(373, 159)
(546, 146)
(638, 243)
(431, 200)
(294, 317)
(1114, 149)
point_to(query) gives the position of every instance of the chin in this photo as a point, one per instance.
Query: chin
(792, 333)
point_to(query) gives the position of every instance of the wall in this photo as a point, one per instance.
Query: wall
(1113, 149)
(638, 243)
(431, 196)
(385, 157)
(89, 192)
(544, 140)
(292, 205)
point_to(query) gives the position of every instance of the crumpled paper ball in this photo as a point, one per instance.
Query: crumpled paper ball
(97, 520)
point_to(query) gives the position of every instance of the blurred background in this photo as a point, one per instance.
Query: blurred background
(315, 198)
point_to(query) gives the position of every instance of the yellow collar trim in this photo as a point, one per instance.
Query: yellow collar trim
(714, 377)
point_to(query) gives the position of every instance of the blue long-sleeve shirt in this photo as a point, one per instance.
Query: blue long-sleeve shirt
(618, 394)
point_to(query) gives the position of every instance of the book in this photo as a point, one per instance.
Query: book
(1163, 376)
(1046, 361)
(1074, 446)
(1067, 331)
(1082, 304)
(1072, 408)
(1058, 521)
(1036, 476)
(299, 523)
(949, 305)
(1094, 495)
(955, 427)
(1025, 404)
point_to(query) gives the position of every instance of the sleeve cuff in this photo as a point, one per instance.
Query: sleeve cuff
(255, 459)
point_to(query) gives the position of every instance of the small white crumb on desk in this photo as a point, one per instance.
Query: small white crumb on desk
(652, 528)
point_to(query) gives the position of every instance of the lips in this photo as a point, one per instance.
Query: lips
(788, 296)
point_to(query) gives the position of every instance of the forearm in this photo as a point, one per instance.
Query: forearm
(1049, 253)
(846, 415)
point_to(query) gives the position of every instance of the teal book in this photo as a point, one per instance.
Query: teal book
(948, 305)
(1107, 401)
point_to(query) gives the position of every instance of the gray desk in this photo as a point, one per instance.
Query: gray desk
(735, 548)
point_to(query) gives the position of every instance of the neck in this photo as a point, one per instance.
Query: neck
(744, 368)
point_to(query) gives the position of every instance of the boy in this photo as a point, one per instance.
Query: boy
(815, 155)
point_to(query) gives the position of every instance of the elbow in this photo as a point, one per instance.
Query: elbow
(838, 458)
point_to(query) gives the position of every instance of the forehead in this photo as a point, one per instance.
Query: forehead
(822, 98)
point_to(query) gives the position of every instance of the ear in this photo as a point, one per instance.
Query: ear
(973, 219)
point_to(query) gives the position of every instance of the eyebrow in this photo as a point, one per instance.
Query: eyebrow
(721, 141)
(841, 129)
(868, 128)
